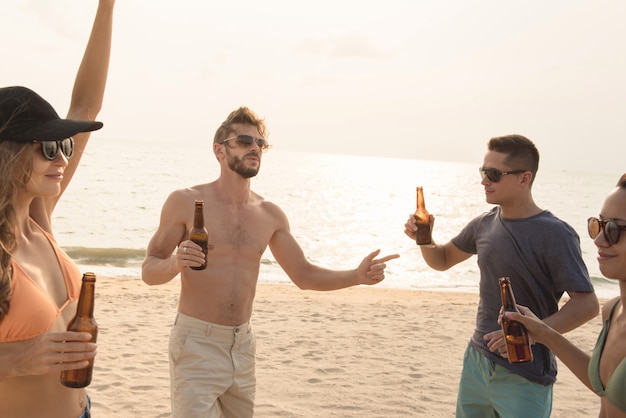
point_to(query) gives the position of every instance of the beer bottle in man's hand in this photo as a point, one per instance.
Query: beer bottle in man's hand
(422, 218)
(83, 321)
(515, 334)
(199, 233)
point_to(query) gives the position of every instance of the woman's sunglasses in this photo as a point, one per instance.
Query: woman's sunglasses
(610, 229)
(495, 175)
(246, 141)
(50, 149)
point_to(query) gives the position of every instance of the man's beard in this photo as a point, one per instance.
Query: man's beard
(238, 166)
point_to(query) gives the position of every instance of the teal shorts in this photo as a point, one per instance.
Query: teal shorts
(488, 390)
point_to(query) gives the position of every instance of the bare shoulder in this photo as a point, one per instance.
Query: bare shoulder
(268, 213)
(269, 208)
(179, 205)
(190, 194)
(608, 305)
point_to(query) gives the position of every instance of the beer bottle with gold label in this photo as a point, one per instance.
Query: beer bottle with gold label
(515, 334)
(422, 218)
(199, 233)
(83, 321)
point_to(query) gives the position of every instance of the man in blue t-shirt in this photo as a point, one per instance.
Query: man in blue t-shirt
(541, 255)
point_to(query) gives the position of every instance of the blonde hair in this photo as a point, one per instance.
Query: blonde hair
(15, 169)
(243, 116)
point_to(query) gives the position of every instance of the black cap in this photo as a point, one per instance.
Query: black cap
(25, 116)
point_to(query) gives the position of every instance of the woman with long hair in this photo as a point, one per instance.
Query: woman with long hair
(39, 284)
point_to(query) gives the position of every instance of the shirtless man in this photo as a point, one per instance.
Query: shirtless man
(212, 345)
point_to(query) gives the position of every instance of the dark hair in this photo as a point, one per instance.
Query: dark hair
(621, 183)
(244, 116)
(522, 154)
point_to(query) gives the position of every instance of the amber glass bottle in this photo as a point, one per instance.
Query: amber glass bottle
(199, 233)
(515, 334)
(83, 321)
(422, 217)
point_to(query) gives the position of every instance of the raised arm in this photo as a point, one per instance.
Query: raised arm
(87, 97)
(88, 92)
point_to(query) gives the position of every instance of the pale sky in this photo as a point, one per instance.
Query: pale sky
(403, 78)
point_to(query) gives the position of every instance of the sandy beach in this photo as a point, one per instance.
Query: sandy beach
(359, 352)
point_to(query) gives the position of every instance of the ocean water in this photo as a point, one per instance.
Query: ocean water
(340, 207)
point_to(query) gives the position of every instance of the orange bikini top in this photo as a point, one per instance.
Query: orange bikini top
(32, 310)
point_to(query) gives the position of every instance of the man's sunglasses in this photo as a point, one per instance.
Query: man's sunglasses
(495, 175)
(50, 149)
(246, 141)
(610, 229)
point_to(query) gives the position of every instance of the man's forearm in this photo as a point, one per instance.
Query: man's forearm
(155, 270)
(581, 308)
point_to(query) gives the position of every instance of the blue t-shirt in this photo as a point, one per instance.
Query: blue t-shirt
(542, 257)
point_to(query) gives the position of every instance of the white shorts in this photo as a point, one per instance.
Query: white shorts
(212, 369)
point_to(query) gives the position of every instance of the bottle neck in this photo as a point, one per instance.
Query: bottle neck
(508, 299)
(198, 218)
(86, 299)
(421, 205)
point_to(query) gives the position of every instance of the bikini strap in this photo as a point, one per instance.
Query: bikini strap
(614, 307)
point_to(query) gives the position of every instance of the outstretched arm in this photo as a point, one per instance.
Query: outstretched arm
(310, 276)
(86, 102)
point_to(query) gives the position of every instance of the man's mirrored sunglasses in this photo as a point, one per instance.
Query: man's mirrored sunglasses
(50, 149)
(494, 175)
(246, 141)
(610, 229)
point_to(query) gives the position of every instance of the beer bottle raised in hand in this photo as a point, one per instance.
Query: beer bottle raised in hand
(422, 218)
(515, 334)
(83, 321)
(199, 233)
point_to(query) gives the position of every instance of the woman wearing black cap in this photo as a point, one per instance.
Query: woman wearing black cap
(39, 284)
